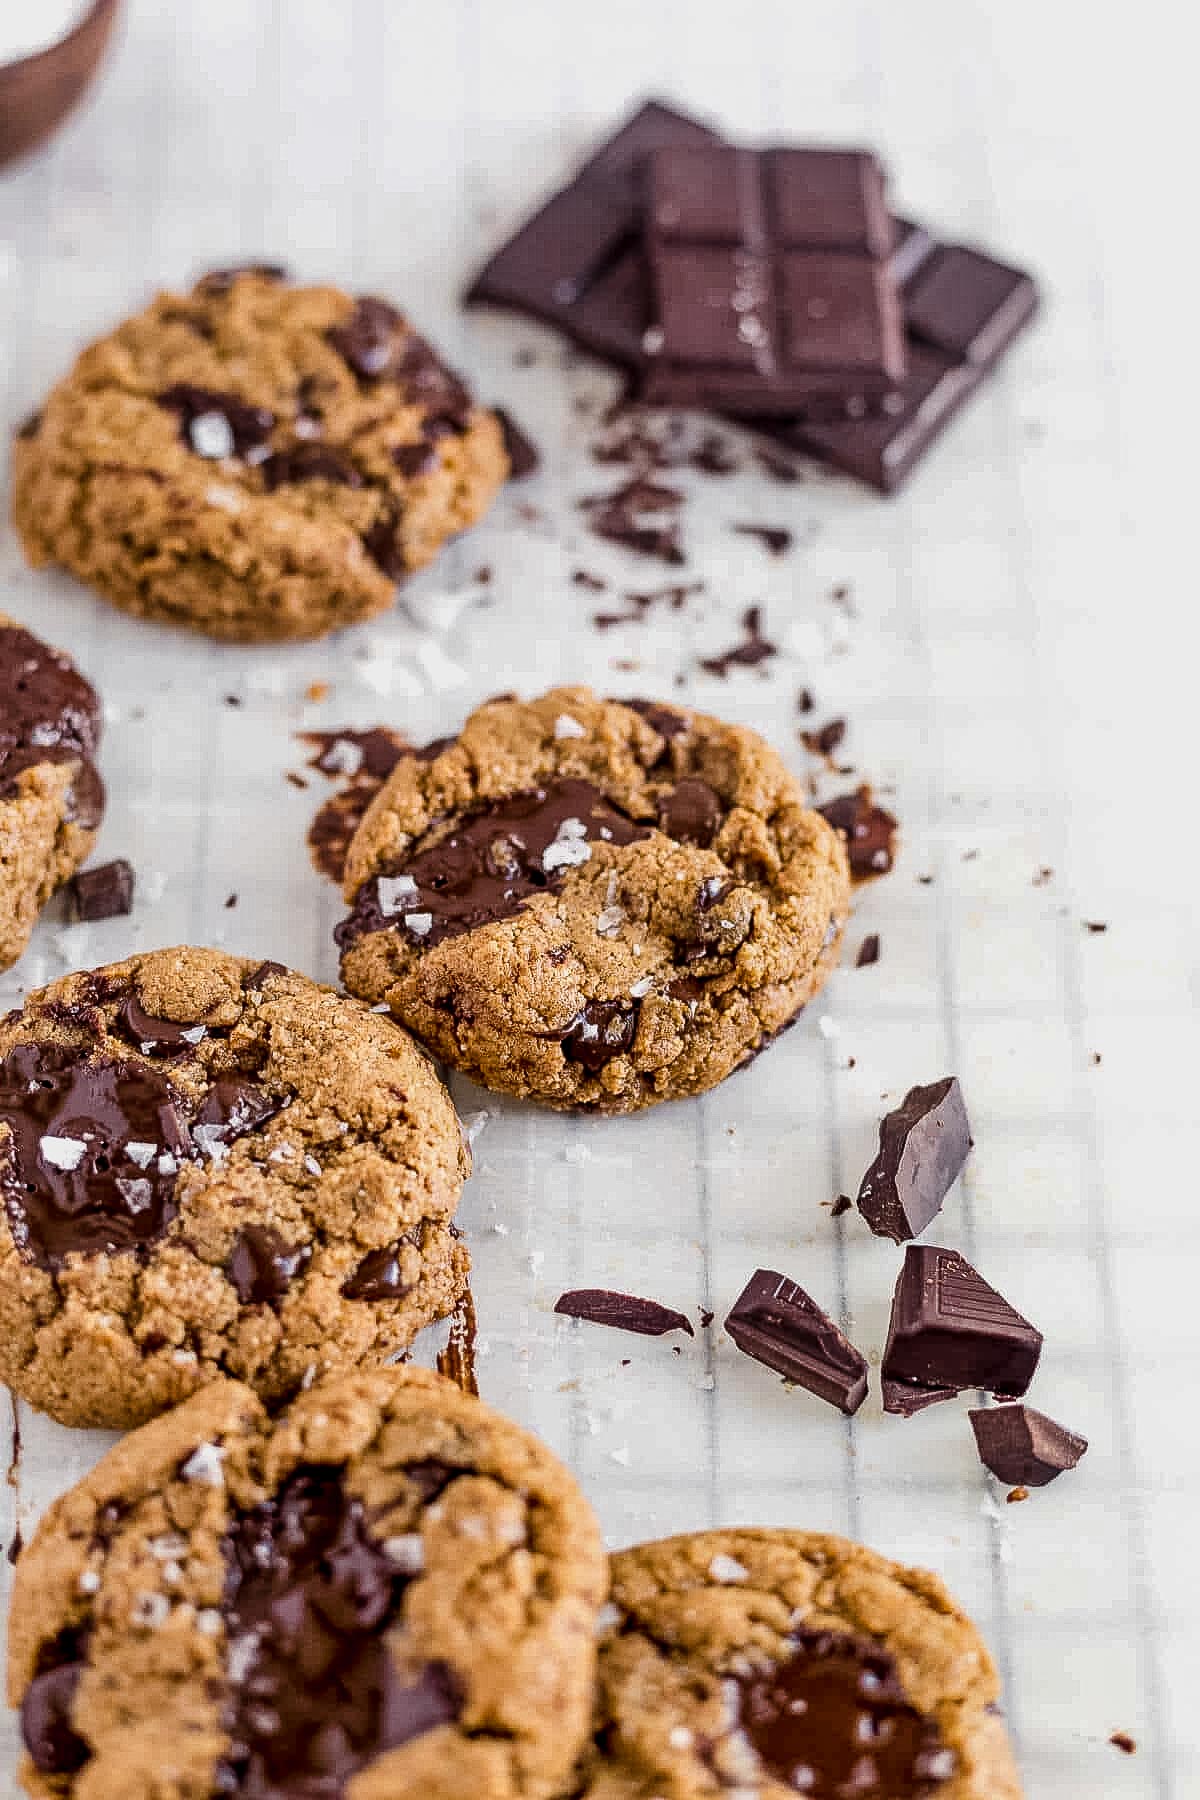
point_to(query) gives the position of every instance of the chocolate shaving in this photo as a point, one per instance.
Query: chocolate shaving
(625, 1312)
(775, 538)
(753, 649)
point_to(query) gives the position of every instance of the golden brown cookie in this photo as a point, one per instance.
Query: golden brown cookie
(214, 1167)
(772, 1663)
(389, 1593)
(593, 903)
(254, 460)
(51, 794)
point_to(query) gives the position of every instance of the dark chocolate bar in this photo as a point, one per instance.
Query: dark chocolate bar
(584, 233)
(770, 280)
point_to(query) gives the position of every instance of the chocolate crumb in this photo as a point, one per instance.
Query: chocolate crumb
(483, 574)
(868, 951)
(753, 649)
(583, 578)
(775, 538)
(231, 902)
(825, 740)
(779, 468)
(1095, 926)
(639, 515)
(805, 700)
(1015, 1495)
(843, 1204)
(1044, 874)
(1121, 1740)
(297, 781)
(707, 1315)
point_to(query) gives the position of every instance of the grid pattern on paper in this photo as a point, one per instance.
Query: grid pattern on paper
(982, 662)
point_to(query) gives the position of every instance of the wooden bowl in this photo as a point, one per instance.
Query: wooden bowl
(37, 92)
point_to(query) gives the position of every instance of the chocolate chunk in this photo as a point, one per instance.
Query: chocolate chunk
(152, 1034)
(231, 1109)
(54, 1747)
(263, 973)
(309, 462)
(309, 1600)
(625, 1312)
(833, 1720)
(770, 278)
(962, 311)
(48, 714)
(216, 424)
(495, 860)
(457, 1361)
(369, 338)
(600, 1032)
(868, 951)
(415, 459)
(92, 1154)
(923, 1145)
(775, 538)
(586, 235)
(104, 892)
(668, 723)
(640, 516)
(949, 1331)
(428, 383)
(778, 1324)
(383, 542)
(869, 831)
(262, 1266)
(524, 457)
(753, 649)
(378, 1276)
(1023, 1446)
(219, 281)
(691, 812)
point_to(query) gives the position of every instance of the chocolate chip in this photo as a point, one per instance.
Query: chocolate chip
(310, 1596)
(48, 714)
(778, 1324)
(54, 1747)
(262, 1266)
(950, 1330)
(868, 951)
(668, 723)
(869, 831)
(691, 812)
(625, 1312)
(834, 1719)
(104, 892)
(600, 1032)
(219, 281)
(753, 649)
(1023, 1446)
(495, 860)
(523, 454)
(309, 462)
(923, 1145)
(29, 428)
(775, 538)
(378, 1276)
(714, 455)
(216, 424)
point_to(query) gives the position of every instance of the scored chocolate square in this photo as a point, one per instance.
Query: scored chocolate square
(770, 280)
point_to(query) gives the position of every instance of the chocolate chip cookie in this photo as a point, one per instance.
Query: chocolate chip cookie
(254, 460)
(211, 1167)
(389, 1593)
(51, 794)
(782, 1662)
(593, 903)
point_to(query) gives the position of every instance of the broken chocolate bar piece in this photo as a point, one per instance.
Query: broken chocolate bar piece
(626, 1312)
(770, 281)
(1022, 1446)
(923, 1145)
(587, 231)
(950, 1331)
(779, 1325)
(869, 831)
(105, 892)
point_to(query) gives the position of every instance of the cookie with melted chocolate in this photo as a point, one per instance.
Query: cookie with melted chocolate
(204, 1165)
(51, 794)
(787, 1662)
(593, 903)
(389, 1589)
(255, 460)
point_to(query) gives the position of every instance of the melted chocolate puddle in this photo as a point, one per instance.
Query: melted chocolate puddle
(457, 1361)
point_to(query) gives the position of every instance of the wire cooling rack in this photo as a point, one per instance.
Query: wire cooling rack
(976, 634)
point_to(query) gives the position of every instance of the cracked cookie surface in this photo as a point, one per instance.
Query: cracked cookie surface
(51, 794)
(593, 903)
(777, 1662)
(388, 1593)
(214, 1167)
(254, 460)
